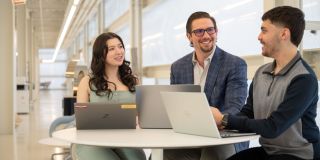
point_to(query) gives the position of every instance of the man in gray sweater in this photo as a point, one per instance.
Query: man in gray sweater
(283, 96)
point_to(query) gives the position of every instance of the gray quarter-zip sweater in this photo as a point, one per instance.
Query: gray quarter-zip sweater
(282, 109)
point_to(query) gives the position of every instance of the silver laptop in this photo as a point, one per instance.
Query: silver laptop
(190, 113)
(105, 116)
(151, 111)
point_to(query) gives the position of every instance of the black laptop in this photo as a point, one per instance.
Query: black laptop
(105, 116)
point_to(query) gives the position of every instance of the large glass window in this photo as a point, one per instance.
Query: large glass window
(164, 35)
(70, 51)
(93, 27)
(311, 8)
(53, 72)
(80, 41)
(92, 31)
(125, 36)
(311, 39)
(113, 9)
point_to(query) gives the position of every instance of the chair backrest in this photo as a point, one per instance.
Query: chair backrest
(61, 123)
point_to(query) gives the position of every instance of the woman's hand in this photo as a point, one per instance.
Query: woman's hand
(137, 123)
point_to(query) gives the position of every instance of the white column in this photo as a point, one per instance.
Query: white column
(29, 55)
(33, 63)
(293, 3)
(37, 73)
(7, 68)
(21, 40)
(101, 17)
(136, 37)
(34, 66)
(269, 4)
(7, 80)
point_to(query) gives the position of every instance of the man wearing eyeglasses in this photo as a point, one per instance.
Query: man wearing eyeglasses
(222, 76)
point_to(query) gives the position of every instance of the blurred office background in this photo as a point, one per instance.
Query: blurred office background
(46, 43)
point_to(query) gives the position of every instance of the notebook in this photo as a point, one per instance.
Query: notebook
(105, 116)
(151, 111)
(190, 113)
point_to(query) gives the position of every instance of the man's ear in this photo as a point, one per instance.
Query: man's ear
(285, 34)
(189, 37)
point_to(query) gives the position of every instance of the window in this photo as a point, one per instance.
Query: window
(311, 8)
(113, 9)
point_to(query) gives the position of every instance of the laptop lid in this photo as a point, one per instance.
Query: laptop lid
(190, 113)
(151, 111)
(105, 116)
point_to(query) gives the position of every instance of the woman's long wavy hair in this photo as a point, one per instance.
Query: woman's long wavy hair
(97, 82)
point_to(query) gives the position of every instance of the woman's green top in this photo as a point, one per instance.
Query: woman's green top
(115, 97)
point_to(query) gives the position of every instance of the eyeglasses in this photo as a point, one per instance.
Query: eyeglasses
(200, 32)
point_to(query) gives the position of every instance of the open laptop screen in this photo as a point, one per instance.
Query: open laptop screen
(190, 113)
(151, 111)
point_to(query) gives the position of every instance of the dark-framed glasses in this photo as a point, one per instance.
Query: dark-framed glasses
(200, 32)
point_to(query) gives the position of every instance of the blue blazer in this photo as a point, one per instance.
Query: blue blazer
(226, 83)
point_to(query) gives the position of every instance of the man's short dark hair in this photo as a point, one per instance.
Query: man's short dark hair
(198, 15)
(289, 17)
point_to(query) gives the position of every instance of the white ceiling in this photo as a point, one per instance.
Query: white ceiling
(47, 17)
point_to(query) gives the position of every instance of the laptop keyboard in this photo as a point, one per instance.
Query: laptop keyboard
(233, 133)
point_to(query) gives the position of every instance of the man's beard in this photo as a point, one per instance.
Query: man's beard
(206, 50)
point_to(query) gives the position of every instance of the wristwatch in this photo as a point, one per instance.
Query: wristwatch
(224, 121)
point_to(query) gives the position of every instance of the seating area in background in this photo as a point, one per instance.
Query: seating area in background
(45, 85)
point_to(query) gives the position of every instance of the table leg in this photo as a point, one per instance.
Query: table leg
(157, 154)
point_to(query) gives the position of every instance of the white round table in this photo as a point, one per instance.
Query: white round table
(155, 139)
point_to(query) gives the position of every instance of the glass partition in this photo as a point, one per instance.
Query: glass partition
(164, 35)
(311, 8)
(93, 27)
(125, 35)
(53, 72)
(311, 39)
(113, 9)
(80, 41)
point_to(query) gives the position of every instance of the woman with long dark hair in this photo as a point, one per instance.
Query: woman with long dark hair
(110, 80)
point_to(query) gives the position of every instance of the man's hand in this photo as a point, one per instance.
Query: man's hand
(217, 115)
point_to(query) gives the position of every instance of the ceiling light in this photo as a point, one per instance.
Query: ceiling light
(19, 2)
(64, 31)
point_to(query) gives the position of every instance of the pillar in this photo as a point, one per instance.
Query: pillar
(21, 42)
(7, 67)
(7, 80)
(136, 37)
